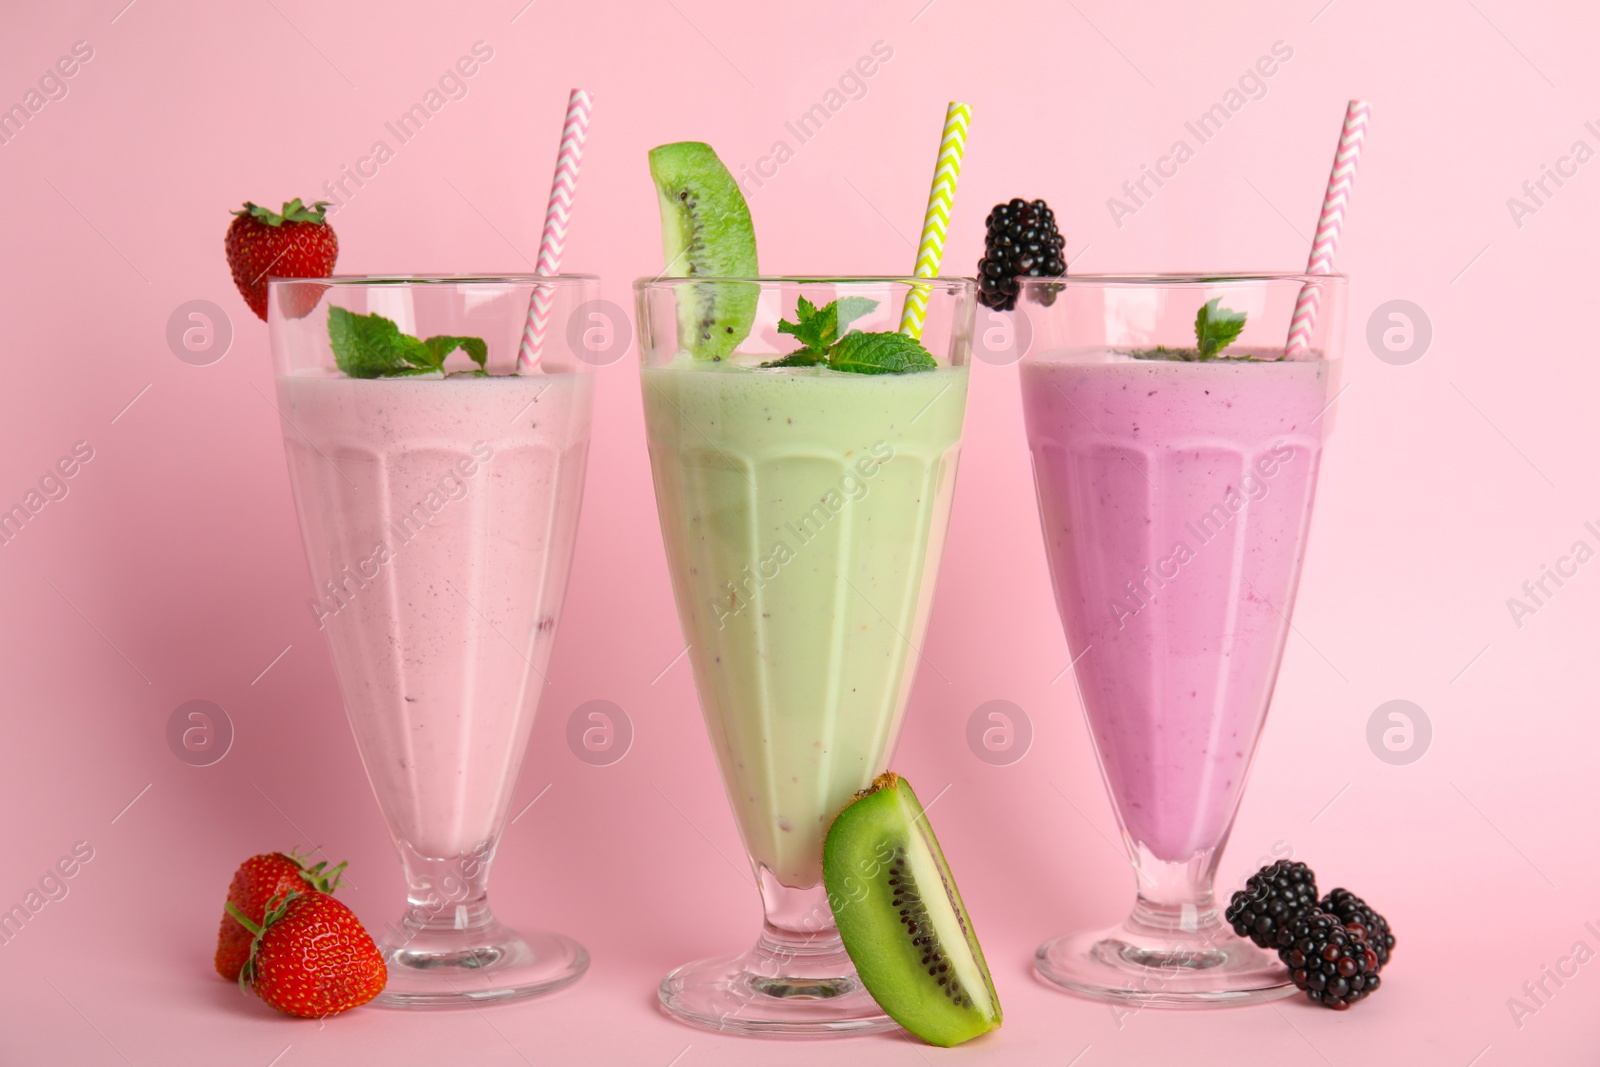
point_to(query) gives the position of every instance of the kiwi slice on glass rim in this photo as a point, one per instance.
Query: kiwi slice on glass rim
(706, 232)
(901, 917)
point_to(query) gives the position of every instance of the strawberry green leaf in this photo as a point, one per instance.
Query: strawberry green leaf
(275, 910)
(240, 917)
(322, 878)
(293, 211)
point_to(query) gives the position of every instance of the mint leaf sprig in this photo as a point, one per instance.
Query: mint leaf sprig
(1215, 328)
(818, 328)
(823, 341)
(371, 346)
(880, 353)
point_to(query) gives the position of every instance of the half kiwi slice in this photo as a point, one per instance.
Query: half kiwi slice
(901, 917)
(706, 231)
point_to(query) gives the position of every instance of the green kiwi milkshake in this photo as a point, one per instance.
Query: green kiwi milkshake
(803, 511)
(803, 436)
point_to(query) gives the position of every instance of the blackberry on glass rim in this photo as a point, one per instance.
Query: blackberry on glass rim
(1021, 240)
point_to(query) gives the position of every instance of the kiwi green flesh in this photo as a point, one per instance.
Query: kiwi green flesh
(901, 917)
(706, 232)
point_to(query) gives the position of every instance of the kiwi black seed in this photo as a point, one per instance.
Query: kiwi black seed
(902, 919)
(706, 232)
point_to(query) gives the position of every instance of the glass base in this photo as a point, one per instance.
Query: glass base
(1133, 964)
(786, 986)
(457, 969)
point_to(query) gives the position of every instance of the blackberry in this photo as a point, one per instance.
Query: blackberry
(1271, 900)
(1022, 241)
(1355, 912)
(1332, 963)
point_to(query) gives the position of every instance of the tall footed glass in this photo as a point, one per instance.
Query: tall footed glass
(1175, 486)
(438, 512)
(803, 511)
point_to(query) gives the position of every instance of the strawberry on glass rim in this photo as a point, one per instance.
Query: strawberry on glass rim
(296, 242)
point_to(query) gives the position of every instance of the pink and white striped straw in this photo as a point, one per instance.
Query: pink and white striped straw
(1330, 223)
(553, 242)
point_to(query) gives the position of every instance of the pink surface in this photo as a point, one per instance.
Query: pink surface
(171, 569)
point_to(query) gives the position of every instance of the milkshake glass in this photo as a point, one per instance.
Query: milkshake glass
(1175, 494)
(803, 511)
(438, 513)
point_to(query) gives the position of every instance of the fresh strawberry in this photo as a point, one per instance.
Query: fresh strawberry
(257, 881)
(296, 243)
(311, 957)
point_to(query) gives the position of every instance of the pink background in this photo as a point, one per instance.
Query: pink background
(173, 570)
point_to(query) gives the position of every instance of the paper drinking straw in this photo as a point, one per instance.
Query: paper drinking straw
(946, 172)
(1330, 222)
(553, 241)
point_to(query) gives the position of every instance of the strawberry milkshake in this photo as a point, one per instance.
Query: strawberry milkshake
(439, 519)
(438, 493)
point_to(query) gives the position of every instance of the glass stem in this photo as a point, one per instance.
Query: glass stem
(798, 937)
(1176, 899)
(446, 896)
